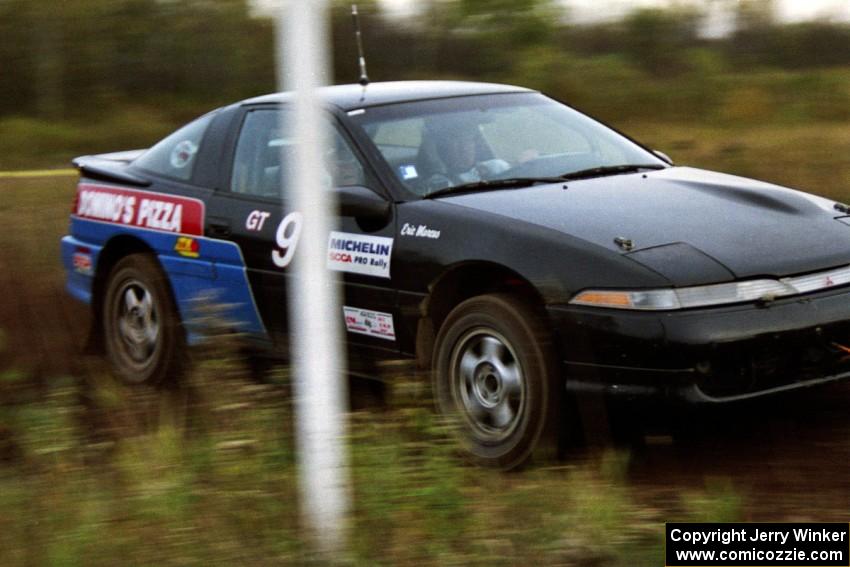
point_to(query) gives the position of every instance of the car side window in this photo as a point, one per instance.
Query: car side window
(175, 156)
(400, 142)
(265, 157)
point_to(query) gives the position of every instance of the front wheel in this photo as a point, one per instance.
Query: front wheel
(144, 340)
(493, 367)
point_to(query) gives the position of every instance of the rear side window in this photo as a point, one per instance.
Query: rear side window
(264, 165)
(175, 155)
(264, 154)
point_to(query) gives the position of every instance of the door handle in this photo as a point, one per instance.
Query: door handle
(220, 229)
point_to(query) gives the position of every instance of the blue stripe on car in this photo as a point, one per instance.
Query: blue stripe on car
(218, 275)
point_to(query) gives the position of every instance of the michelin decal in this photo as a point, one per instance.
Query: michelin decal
(371, 323)
(360, 254)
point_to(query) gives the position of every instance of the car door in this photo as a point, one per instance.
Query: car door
(253, 209)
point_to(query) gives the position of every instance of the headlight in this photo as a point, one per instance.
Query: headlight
(708, 295)
(652, 300)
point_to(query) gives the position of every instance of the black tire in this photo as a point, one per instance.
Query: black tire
(145, 342)
(493, 367)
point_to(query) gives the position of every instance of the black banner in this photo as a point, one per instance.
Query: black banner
(758, 545)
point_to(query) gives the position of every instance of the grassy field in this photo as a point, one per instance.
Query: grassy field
(92, 473)
(813, 158)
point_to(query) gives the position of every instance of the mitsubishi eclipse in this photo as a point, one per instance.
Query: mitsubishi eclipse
(510, 244)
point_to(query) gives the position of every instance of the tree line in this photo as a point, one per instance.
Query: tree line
(72, 59)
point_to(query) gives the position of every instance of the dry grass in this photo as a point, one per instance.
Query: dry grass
(813, 158)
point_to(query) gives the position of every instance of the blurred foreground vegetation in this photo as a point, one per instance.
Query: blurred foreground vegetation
(94, 474)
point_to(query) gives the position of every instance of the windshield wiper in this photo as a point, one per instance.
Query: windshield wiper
(609, 170)
(518, 182)
(509, 183)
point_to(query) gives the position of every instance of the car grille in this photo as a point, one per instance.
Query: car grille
(745, 369)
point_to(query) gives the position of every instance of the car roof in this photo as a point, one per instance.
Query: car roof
(351, 97)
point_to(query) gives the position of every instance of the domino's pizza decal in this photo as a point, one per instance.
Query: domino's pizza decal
(140, 209)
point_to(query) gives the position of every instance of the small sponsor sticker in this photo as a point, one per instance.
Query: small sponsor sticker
(419, 231)
(82, 263)
(140, 209)
(360, 254)
(371, 323)
(187, 246)
(408, 172)
(183, 153)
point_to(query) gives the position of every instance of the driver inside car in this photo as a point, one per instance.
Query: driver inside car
(460, 150)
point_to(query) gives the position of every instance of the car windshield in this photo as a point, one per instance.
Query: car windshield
(436, 145)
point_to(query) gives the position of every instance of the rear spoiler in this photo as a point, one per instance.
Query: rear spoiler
(111, 167)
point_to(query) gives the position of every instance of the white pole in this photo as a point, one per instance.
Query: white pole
(315, 330)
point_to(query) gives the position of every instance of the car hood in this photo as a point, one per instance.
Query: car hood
(690, 225)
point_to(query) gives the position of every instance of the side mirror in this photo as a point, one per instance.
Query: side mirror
(663, 156)
(362, 203)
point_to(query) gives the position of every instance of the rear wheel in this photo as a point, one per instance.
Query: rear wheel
(493, 368)
(144, 340)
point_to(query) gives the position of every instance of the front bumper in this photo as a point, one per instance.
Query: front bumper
(711, 355)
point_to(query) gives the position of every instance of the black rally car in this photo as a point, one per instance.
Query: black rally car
(510, 243)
